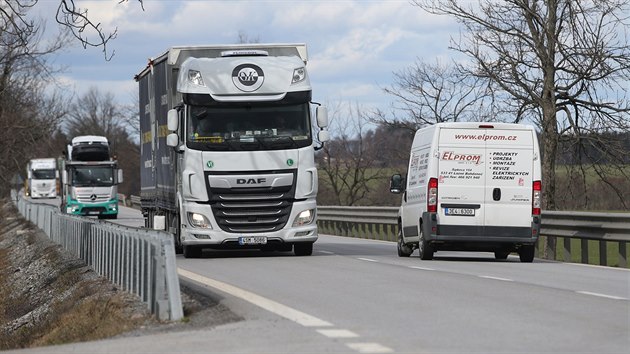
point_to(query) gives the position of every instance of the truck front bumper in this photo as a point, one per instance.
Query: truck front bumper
(86, 209)
(215, 237)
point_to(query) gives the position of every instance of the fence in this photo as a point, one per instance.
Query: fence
(609, 231)
(140, 261)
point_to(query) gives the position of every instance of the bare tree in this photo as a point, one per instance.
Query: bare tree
(29, 116)
(349, 165)
(563, 64)
(426, 94)
(79, 24)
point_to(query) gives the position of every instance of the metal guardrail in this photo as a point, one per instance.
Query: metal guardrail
(603, 228)
(140, 261)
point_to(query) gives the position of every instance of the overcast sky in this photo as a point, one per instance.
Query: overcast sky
(354, 46)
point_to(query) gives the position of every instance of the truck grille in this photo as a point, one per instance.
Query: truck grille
(93, 198)
(252, 210)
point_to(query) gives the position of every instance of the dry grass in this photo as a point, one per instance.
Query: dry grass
(48, 297)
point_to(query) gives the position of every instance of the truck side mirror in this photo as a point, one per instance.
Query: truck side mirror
(322, 116)
(56, 174)
(323, 136)
(397, 184)
(64, 177)
(120, 175)
(172, 140)
(172, 120)
(29, 174)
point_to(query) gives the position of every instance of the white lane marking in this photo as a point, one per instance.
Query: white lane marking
(494, 278)
(369, 348)
(421, 268)
(601, 295)
(326, 252)
(367, 259)
(279, 309)
(337, 333)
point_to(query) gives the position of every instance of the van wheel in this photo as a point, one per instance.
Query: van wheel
(192, 252)
(526, 253)
(425, 250)
(403, 249)
(501, 254)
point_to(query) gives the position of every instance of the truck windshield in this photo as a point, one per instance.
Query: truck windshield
(43, 174)
(92, 176)
(248, 128)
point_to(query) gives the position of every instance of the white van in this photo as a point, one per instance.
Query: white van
(471, 187)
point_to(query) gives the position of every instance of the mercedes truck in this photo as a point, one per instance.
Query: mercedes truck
(42, 178)
(228, 140)
(90, 178)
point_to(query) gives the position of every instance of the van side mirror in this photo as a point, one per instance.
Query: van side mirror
(172, 120)
(397, 184)
(322, 116)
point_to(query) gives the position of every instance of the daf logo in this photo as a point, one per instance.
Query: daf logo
(251, 180)
(93, 197)
(248, 77)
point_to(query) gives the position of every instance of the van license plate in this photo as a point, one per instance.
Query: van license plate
(252, 240)
(459, 211)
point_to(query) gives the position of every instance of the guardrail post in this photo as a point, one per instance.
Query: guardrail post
(623, 259)
(584, 244)
(603, 255)
(567, 249)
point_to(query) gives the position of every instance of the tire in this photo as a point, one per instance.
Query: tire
(425, 250)
(192, 251)
(403, 249)
(526, 253)
(303, 249)
(501, 254)
(177, 237)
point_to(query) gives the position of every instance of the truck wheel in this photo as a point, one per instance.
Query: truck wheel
(303, 248)
(526, 253)
(403, 250)
(192, 252)
(425, 250)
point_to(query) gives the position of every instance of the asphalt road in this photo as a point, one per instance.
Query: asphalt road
(358, 296)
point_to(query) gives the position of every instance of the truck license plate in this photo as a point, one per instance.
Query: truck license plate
(459, 211)
(252, 240)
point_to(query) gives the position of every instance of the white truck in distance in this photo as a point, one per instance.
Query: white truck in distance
(90, 178)
(228, 147)
(471, 187)
(42, 178)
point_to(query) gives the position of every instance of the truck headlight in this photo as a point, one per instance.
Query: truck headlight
(194, 76)
(199, 220)
(299, 74)
(304, 218)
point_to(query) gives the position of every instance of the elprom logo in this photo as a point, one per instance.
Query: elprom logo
(452, 156)
(248, 77)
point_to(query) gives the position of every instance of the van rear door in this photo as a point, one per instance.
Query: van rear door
(509, 178)
(461, 180)
(485, 181)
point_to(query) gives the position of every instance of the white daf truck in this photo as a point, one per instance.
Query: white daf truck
(471, 187)
(42, 178)
(228, 145)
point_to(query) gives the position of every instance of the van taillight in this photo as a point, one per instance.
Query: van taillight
(432, 195)
(536, 198)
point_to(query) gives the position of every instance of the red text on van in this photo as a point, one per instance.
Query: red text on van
(452, 156)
